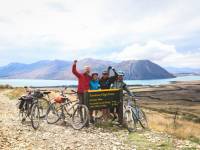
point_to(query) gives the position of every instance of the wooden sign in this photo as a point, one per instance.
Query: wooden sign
(99, 99)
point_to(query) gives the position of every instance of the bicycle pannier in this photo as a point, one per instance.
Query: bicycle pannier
(59, 99)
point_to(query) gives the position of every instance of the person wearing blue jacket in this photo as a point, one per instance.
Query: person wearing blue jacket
(94, 83)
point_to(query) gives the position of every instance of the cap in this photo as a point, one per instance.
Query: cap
(95, 73)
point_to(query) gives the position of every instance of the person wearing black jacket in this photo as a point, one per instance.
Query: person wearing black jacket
(106, 81)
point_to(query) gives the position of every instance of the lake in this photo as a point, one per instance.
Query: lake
(40, 83)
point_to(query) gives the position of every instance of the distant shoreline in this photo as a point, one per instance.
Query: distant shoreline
(73, 83)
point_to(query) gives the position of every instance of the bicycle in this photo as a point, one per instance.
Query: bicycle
(39, 108)
(63, 107)
(44, 103)
(133, 115)
(30, 106)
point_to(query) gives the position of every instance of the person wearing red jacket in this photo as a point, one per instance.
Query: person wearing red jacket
(83, 81)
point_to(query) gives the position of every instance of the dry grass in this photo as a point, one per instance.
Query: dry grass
(180, 128)
(5, 86)
(16, 93)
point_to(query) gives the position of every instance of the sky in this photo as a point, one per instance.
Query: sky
(165, 32)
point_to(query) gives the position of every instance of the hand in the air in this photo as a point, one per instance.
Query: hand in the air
(109, 67)
(75, 61)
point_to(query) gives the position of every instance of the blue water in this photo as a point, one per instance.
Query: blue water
(38, 83)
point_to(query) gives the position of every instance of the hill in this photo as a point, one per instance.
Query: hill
(183, 71)
(59, 69)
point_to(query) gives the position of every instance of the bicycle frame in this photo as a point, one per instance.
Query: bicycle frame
(64, 105)
(134, 108)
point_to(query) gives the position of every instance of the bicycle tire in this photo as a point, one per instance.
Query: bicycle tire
(80, 117)
(35, 116)
(24, 113)
(142, 119)
(22, 116)
(52, 115)
(130, 122)
(43, 106)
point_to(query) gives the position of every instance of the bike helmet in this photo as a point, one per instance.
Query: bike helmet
(120, 73)
(105, 72)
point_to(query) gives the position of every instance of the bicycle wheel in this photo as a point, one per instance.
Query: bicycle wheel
(35, 116)
(142, 118)
(53, 113)
(129, 121)
(24, 112)
(43, 106)
(80, 116)
(22, 116)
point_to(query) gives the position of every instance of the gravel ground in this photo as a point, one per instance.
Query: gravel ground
(17, 136)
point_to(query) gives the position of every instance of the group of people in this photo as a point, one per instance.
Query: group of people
(95, 82)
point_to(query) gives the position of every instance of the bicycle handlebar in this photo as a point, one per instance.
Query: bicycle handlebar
(74, 91)
(124, 94)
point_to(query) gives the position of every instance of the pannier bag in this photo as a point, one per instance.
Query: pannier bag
(38, 94)
(23, 100)
(59, 99)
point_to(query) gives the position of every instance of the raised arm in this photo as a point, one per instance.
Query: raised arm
(74, 69)
(109, 68)
(116, 74)
(113, 78)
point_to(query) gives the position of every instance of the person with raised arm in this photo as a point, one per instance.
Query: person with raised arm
(106, 80)
(120, 84)
(83, 80)
(105, 83)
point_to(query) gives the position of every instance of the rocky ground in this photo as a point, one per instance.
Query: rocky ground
(17, 136)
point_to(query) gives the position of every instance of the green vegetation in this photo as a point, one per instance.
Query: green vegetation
(195, 139)
(142, 142)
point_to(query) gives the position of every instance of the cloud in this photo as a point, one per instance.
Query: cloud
(57, 6)
(159, 52)
(68, 29)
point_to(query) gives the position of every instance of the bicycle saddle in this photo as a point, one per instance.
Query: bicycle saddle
(47, 92)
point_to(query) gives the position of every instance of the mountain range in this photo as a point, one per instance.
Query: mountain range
(175, 70)
(59, 69)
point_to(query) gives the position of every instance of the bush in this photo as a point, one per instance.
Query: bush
(6, 86)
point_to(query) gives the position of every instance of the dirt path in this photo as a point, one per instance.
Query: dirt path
(15, 136)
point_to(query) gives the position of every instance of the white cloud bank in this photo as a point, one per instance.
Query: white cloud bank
(161, 53)
(31, 30)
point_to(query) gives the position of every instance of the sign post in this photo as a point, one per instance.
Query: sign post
(101, 99)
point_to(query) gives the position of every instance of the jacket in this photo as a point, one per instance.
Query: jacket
(83, 80)
(123, 86)
(106, 83)
(94, 85)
